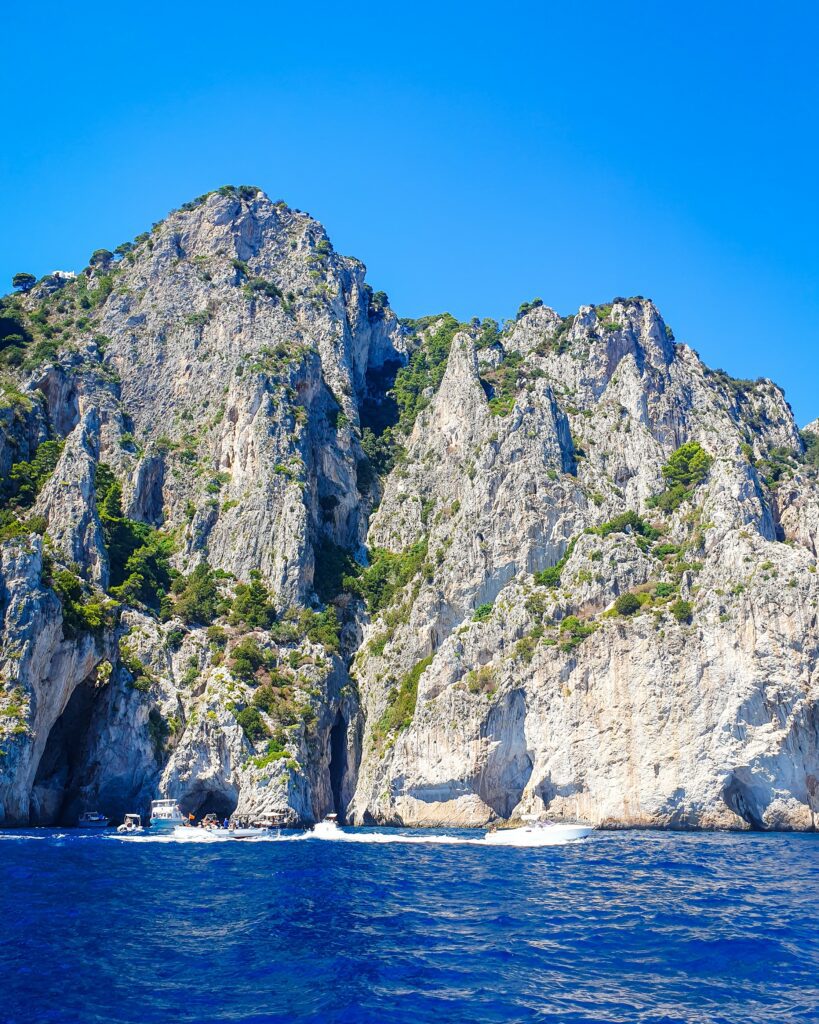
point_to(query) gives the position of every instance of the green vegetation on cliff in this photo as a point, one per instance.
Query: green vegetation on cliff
(138, 555)
(401, 703)
(426, 366)
(686, 468)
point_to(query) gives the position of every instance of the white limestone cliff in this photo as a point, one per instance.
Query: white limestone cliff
(233, 374)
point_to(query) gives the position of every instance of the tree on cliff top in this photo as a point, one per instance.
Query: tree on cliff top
(23, 282)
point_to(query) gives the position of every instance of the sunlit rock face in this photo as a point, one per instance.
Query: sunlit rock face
(559, 567)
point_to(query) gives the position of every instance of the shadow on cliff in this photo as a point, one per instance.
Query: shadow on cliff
(508, 765)
(56, 797)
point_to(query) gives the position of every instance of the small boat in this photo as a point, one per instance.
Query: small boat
(92, 819)
(209, 830)
(326, 829)
(165, 815)
(250, 832)
(132, 823)
(538, 833)
(195, 834)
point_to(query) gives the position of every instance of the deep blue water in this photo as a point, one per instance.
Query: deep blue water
(631, 926)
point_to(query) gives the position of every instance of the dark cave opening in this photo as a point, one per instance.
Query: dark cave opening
(209, 802)
(338, 764)
(378, 409)
(56, 797)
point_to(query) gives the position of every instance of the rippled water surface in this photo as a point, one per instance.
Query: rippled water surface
(620, 927)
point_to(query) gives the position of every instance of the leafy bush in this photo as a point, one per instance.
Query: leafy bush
(682, 610)
(811, 443)
(489, 334)
(197, 596)
(217, 637)
(482, 680)
(11, 526)
(389, 572)
(550, 576)
(573, 632)
(274, 752)
(26, 479)
(258, 286)
(627, 604)
(482, 612)
(526, 307)
(174, 638)
(252, 605)
(268, 696)
(82, 613)
(381, 450)
(247, 657)
(686, 468)
(252, 723)
(321, 627)
(661, 550)
(625, 521)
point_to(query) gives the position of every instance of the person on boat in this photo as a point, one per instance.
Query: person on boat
(225, 824)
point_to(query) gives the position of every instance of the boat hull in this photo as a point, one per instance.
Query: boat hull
(538, 835)
(186, 834)
(165, 824)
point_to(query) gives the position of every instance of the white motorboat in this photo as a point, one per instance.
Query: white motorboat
(539, 833)
(132, 823)
(215, 834)
(92, 819)
(326, 829)
(251, 832)
(165, 815)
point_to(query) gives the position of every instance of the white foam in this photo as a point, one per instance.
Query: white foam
(337, 835)
(333, 835)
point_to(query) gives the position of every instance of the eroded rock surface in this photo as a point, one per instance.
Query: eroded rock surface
(288, 555)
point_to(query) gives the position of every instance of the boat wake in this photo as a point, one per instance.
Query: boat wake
(371, 838)
(557, 835)
(329, 831)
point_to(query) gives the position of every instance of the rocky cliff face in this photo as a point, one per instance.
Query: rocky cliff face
(265, 548)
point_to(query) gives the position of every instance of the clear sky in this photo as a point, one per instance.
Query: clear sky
(472, 155)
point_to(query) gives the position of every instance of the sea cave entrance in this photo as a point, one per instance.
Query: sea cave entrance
(338, 764)
(208, 801)
(56, 796)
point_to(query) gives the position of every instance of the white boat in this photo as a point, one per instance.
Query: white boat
(327, 829)
(195, 834)
(92, 819)
(132, 823)
(538, 833)
(165, 815)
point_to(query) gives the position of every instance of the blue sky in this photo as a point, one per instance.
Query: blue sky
(472, 155)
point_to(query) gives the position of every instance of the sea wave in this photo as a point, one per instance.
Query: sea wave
(394, 926)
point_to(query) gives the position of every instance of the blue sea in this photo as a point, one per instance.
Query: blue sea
(623, 926)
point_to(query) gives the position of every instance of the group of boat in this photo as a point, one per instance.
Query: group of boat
(166, 817)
